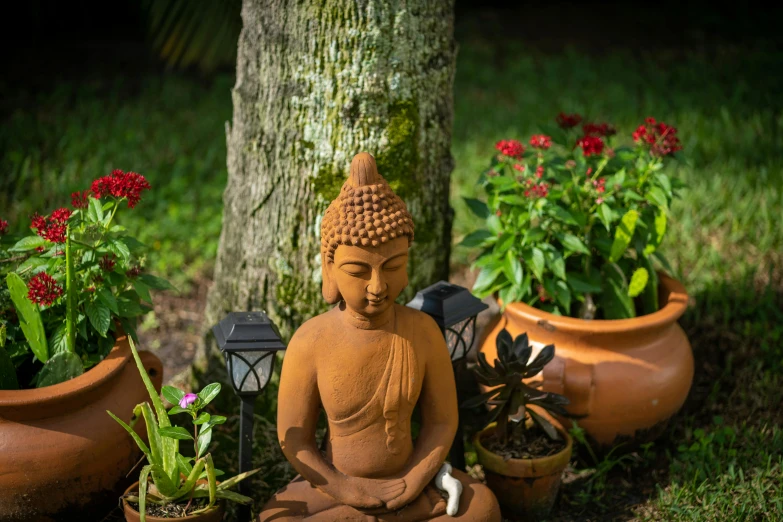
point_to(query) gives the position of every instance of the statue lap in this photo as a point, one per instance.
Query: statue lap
(299, 500)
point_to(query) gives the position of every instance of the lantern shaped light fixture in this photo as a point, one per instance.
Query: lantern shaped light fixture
(455, 309)
(249, 341)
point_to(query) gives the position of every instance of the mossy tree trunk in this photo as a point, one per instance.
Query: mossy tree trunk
(318, 82)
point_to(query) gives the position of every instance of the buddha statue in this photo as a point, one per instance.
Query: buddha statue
(368, 362)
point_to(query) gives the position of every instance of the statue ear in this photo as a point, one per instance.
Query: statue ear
(328, 286)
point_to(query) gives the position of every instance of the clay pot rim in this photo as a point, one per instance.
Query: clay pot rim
(93, 378)
(525, 468)
(675, 298)
(135, 486)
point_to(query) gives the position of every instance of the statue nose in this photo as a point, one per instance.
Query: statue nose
(377, 286)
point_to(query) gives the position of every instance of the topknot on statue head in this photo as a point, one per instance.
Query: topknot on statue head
(365, 213)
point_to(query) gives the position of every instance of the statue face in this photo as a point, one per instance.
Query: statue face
(370, 278)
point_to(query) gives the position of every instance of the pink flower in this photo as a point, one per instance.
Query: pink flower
(187, 400)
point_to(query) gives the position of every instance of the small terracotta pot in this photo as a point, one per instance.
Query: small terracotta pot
(131, 515)
(628, 376)
(525, 488)
(61, 456)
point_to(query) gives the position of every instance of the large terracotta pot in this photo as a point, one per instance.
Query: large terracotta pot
(131, 515)
(628, 376)
(525, 488)
(61, 456)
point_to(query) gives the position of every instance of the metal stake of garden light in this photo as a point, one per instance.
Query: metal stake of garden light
(249, 342)
(454, 309)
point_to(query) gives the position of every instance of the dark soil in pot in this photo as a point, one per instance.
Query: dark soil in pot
(524, 443)
(172, 510)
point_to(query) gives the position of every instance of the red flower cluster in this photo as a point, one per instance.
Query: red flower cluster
(568, 121)
(661, 138)
(106, 263)
(540, 171)
(600, 185)
(79, 199)
(540, 141)
(591, 145)
(133, 272)
(52, 228)
(120, 185)
(510, 148)
(3, 226)
(43, 289)
(540, 190)
(598, 129)
(519, 167)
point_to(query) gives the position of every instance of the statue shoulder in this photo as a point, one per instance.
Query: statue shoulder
(307, 335)
(420, 323)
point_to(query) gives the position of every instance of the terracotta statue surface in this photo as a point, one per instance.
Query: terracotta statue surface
(367, 362)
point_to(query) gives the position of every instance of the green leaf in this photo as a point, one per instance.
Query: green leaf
(135, 436)
(128, 308)
(209, 392)
(664, 262)
(659, 230)
(563, 295)
(476, 238)
(29, 317)
(177, 409)
(656, 196)
(99, 316)
(513, 268)
(95, 211)
(184, 466)
(204, 438)
(556, 263)
(59, 368)
(108, 299)
(236, 479)
(561, 214)
(638, 282)
(479, 208)
(623, 235)
(59, 341)
(582, 284)
(513, 199)
(615, 301)
(143, 291)
(504, 243)
(175, 432)
(155, 282)
(27, 243)
(650, 294)
(606, 215)
(573, 243)
(8, 380)
(172, 394)
(156, 443)
(118, 248)
(486, 277)
(534, 259)
(201, 419)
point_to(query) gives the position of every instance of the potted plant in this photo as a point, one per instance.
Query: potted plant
(523, 452)
(69, 294)
(571, 249)
(173, 485)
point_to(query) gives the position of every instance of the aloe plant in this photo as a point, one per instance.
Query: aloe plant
(510, 395)
(178, 478)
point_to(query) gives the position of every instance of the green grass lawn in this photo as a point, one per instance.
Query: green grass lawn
(721, 458)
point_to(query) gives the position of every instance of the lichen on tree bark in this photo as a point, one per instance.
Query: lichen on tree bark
(316, 83)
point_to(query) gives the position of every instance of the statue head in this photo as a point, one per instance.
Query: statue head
(365, 235)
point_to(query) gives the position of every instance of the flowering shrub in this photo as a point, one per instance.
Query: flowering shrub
(573, 224)
(66, 287)
(178, 478)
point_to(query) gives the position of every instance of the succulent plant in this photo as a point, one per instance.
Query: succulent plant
(510, 394)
